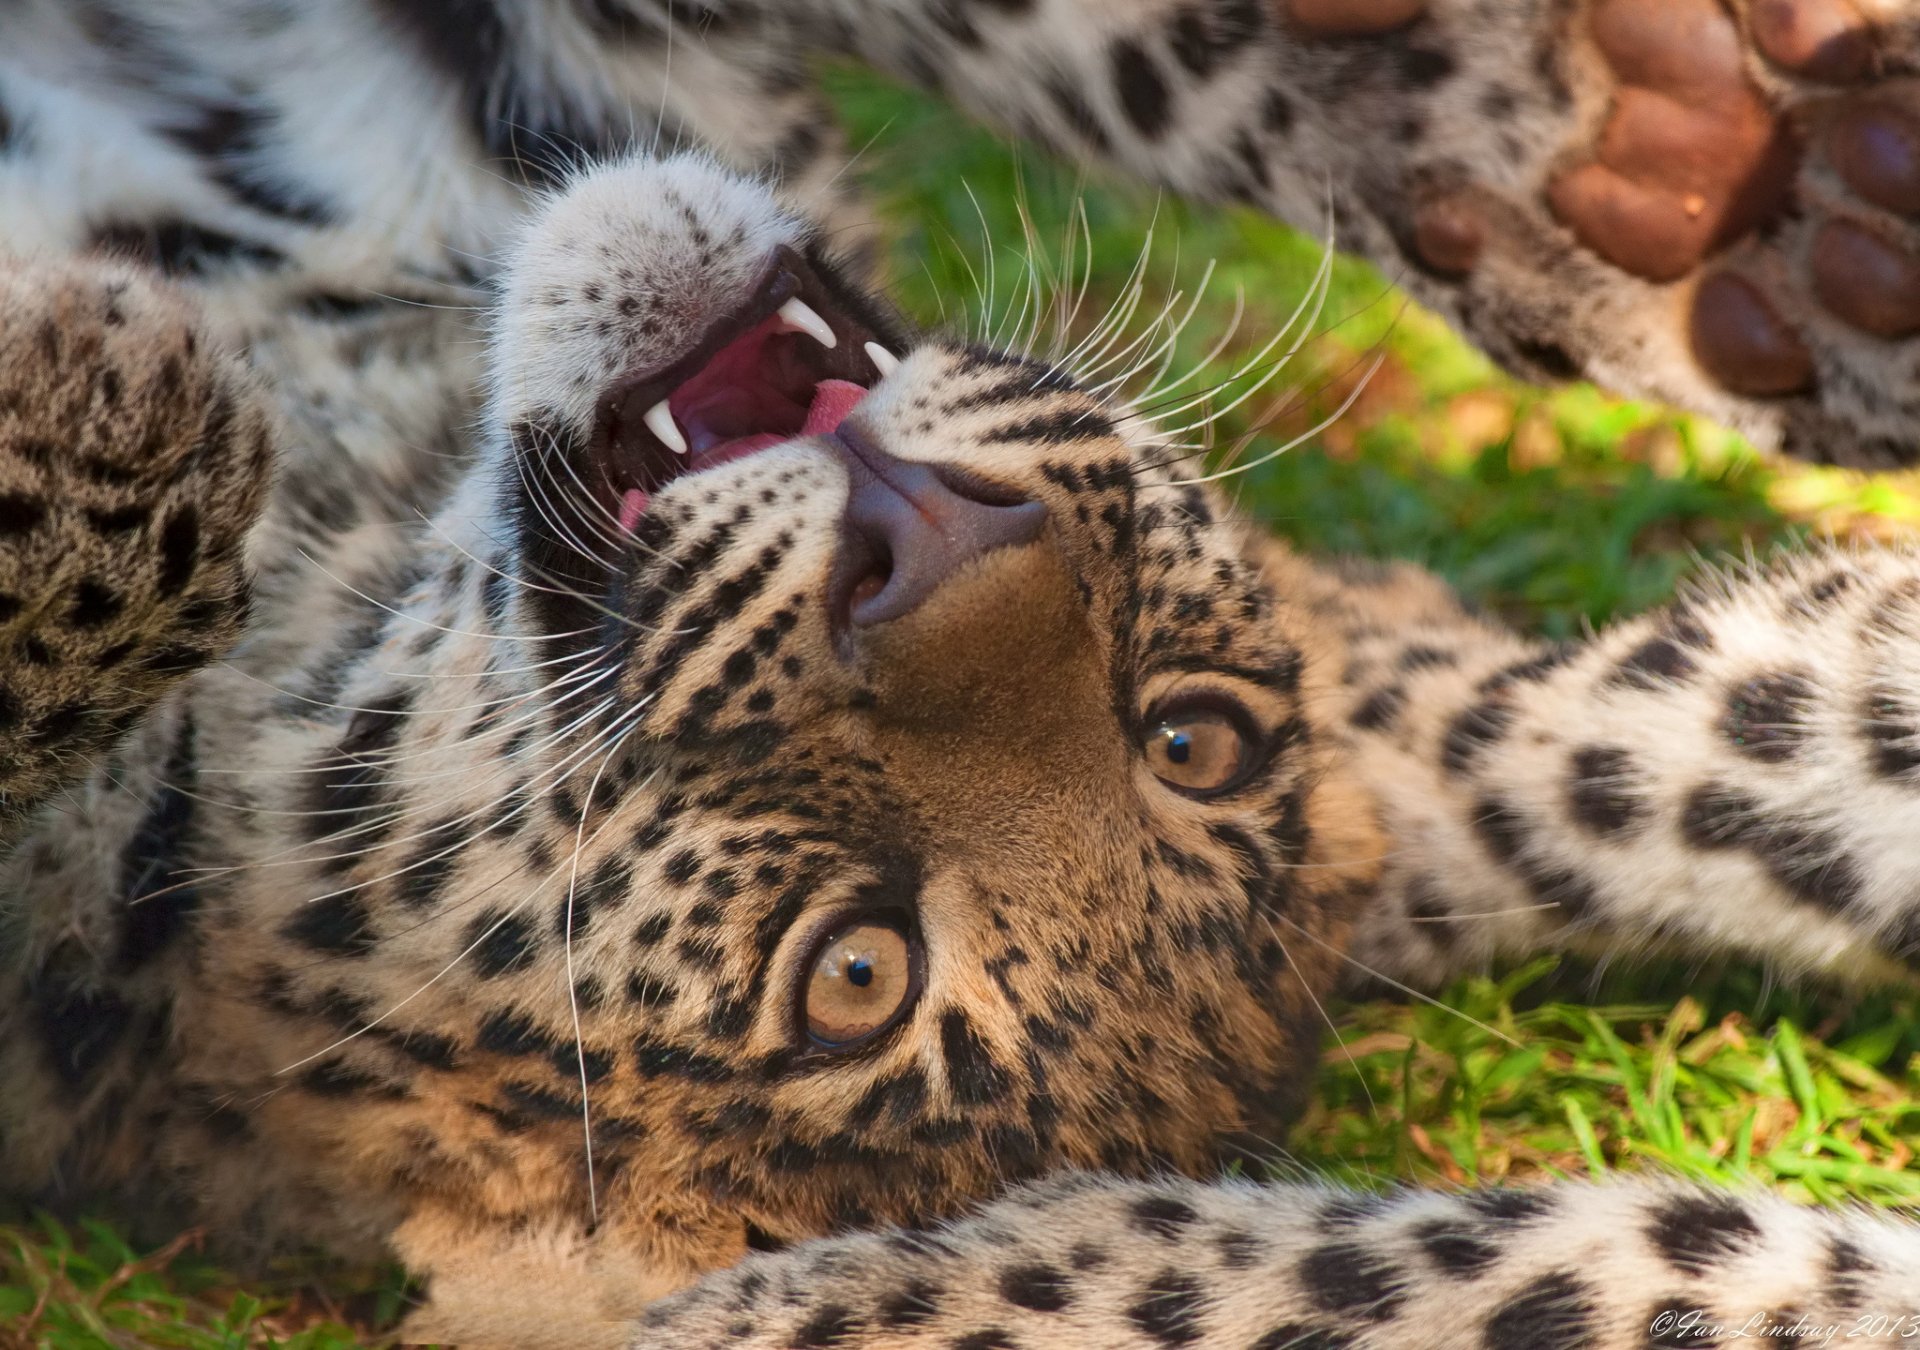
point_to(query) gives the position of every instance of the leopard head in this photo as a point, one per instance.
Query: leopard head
(888, 775)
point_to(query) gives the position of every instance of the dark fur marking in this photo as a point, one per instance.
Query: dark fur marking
(1600, 791)
(425, 874)
(914, 1304)
(423, 1047)
(1380, 710)
(973, 1076)
(1161, 1215)
(117, 520)
(1040, 1288)
(225, 134)
(1533, 670)
(539, 1102)
(989, 1338)
(20, 513)
(179, 551)
(1347, 1277)
(1141, 88)
(1202, 40)
(1428, 906)
(1504, 833)
(645, 991)
(506, 1032)
(1454, 1249)
(1300, 1336)
(1423, 67)
(346, 793)
(1554, 1312)
(1694, 1232)
(1509, 1205)
(658, 1059)
(1168, 1309)
(540, 138)
(180, 247)
(1238, 1250)
(500, 942)
(159, 908)
(334, 925)
(830, 1325)
(1809, 863)
(1656, 661)
(1766, 715)
(332, 1078)
(1477, 727)
(94, 604)
(1893, 740)
(606, 884)
(1056, 428)
(1421, 657)
(1076, 112)
(79, 1027)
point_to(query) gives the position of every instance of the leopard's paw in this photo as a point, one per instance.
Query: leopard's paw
(1716, 202)
(134, 459)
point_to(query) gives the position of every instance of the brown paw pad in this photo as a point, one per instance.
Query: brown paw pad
(1449, 234)
(1826, 40)
(1741, 340)
(1353, 18)
(1691, 157)
(1867, 281)
(1874, 144)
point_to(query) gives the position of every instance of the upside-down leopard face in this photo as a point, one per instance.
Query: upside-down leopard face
(860, 769)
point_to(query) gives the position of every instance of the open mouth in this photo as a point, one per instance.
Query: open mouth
(791, 361)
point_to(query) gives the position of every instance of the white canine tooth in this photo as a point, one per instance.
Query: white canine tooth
(659, 420)
(883, 360)
(799, 317)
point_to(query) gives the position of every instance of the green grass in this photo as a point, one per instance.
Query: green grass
(83, 1286)
(1559, 1075)
(1555, 508)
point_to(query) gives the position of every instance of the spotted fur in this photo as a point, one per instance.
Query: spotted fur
(1147, 1265)
(457, 911)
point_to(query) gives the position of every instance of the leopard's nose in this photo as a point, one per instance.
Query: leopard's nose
(910, 526)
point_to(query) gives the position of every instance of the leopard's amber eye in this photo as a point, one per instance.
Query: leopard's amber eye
(860, 983)
(1198, 751)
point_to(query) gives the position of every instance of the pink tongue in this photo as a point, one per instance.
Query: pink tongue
(633, 505)
(832, 401)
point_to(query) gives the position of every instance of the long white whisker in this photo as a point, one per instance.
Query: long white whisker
(1388, 980)
(573, 997)
(1305, 436)
(1317, 296)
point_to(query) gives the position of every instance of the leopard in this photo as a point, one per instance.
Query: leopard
(550, 734)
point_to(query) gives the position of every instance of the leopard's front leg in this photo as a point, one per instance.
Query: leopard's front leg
(134, 458)
(1738, 773)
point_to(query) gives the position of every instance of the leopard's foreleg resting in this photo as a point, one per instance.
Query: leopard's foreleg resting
(1737, 773)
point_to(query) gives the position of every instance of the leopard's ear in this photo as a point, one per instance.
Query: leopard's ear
(134, 459)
